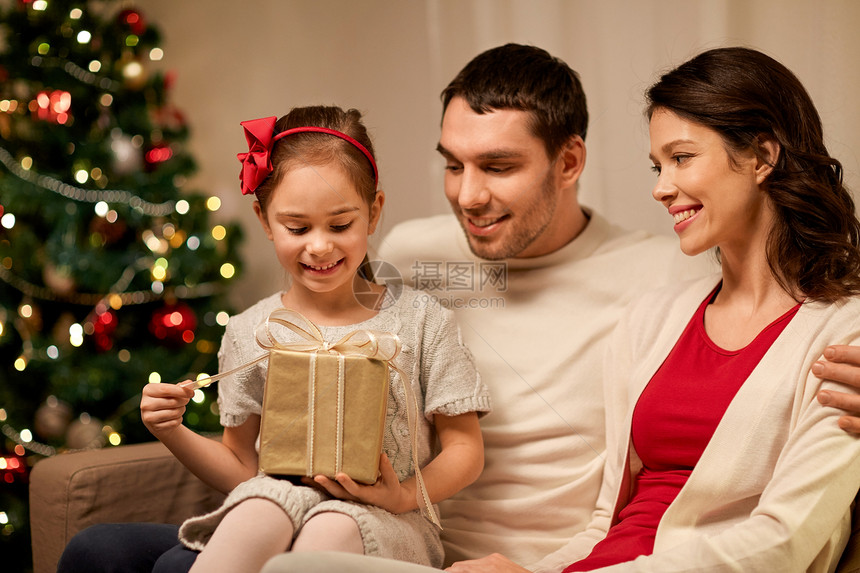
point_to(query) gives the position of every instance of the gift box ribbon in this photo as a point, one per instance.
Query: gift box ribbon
(371, 344)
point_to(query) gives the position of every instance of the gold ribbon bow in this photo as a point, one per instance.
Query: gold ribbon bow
(371, 344)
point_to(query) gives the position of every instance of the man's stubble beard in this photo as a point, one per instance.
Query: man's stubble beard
(534, 223)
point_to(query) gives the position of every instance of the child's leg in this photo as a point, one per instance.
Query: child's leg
(246, 538)
(329, 531)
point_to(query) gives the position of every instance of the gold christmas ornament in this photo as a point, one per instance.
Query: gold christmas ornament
(85, 433)
(59, 279)
(53, 418)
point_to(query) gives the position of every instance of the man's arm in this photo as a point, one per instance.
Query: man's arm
(842, 364)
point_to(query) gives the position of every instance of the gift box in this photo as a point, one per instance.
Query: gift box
(323, 413)
(324, 404)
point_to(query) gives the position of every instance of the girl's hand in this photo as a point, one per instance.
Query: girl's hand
(162, 407)
(387, 492)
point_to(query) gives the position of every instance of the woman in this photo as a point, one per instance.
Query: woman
(742, 167)
(719, 457)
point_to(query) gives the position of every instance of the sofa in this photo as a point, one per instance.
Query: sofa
(145, 483)
(135, 483)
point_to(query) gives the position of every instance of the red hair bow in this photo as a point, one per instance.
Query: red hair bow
(256, 163)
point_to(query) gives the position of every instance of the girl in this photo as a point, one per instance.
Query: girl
(315, 180)
(719, 457)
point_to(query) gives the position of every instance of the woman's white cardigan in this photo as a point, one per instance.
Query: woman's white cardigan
(772, 490)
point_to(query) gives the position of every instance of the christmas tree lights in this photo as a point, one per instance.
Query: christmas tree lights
(112, 275)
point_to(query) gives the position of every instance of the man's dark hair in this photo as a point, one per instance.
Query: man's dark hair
(528, 79)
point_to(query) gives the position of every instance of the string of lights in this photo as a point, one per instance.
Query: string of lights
(77, 72)
(92, 299)
(35, 447)
(85, 195)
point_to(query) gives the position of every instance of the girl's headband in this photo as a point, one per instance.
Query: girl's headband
(257, 162)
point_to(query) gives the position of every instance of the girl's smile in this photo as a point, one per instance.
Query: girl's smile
(321, 268)
(320, 225)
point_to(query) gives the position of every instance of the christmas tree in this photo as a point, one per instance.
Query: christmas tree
(111, 275)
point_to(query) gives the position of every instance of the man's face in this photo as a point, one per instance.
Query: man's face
(500, 183)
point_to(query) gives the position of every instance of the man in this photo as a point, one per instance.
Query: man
(537, 283)
(512, 138)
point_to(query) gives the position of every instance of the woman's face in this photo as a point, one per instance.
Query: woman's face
(714, 201)
(319, 225)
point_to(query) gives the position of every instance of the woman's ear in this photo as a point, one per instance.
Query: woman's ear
(767, 158)
(375, 211)
(261, 215)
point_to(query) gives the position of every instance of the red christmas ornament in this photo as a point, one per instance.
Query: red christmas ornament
(169, 117)
(52, 105)
(13, 469)
(133, 19)
(158, 153)
(111, 229)
(174, 323)
(169, 80)
(102, 327)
